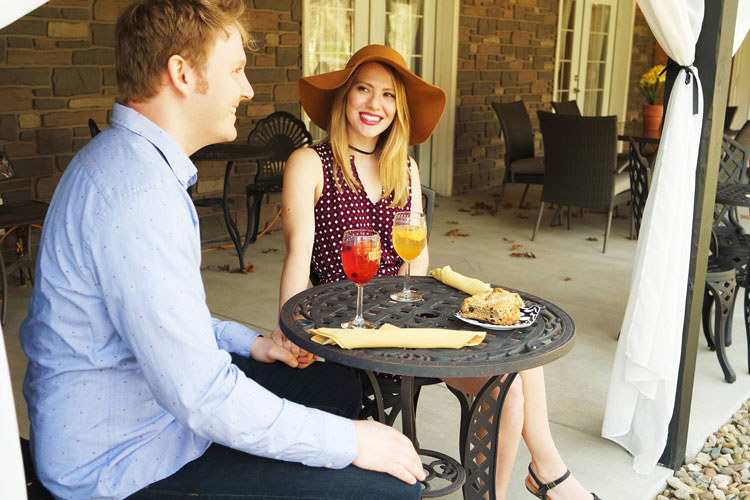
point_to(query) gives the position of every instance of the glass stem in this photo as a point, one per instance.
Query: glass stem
(406, 280)
(359, 320)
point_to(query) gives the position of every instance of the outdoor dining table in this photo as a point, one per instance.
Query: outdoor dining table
(231, 153)
(502, 352)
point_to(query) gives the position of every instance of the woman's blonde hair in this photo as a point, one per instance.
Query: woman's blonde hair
(393, 142)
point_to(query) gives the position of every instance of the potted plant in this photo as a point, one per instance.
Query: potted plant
(651, 87)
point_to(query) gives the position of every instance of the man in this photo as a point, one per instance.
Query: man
(131, 386)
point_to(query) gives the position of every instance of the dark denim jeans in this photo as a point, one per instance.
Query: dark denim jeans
(224, 473)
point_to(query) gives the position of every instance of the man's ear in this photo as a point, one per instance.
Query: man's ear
(179, 74)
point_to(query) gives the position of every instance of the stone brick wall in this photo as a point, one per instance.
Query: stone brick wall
(57, 71)
(642, 59)
(506, 52)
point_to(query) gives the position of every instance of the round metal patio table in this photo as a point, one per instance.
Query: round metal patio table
(502, 352)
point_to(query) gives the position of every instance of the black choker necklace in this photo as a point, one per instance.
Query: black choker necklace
(363, 152)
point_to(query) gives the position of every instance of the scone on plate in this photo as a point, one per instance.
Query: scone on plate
(495, 306)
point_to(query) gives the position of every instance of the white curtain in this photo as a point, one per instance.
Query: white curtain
(743, 24)
(644, 378)
(11, 472)
(10, 10)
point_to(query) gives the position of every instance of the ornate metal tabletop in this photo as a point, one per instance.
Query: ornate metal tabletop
(733, 194)
(507, 351)
(503, 351)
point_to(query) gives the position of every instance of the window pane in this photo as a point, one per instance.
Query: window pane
(331, 37)
(404, 23)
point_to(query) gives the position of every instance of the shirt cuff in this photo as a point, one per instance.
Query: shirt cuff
(340, 447)
(233, 337)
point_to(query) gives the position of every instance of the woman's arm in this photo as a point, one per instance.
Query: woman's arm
(303, 183)
(420, 264)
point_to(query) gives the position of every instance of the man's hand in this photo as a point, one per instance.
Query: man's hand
(266, 350)
(384, 449)
(304, 358)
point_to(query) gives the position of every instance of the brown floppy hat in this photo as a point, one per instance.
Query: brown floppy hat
(426, 102)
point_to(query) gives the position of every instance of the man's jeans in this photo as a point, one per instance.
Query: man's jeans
(224, 473)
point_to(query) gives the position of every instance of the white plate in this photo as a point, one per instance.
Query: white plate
(528, 316)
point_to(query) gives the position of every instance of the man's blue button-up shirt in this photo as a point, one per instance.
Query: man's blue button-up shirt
(129, 377)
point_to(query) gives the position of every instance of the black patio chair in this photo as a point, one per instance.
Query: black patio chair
(93, 128)
(566, 108)
(580, 154)
(521, 166)
(640, 181)
(729, 117)
(280, 133)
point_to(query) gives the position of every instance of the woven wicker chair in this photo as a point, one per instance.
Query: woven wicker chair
(521, 166)
(580, 155)
(566, 108)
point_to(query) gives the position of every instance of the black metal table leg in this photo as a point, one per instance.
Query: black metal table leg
(444, 475)
(482, 436)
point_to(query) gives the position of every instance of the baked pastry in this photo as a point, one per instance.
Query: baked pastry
(496, 307)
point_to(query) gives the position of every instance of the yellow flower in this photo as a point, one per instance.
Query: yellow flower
(650, 83)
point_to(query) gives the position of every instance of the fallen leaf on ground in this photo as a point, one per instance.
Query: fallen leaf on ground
(525, 255)
(250, 268)
(480, 205)
(567, 278)
(456, 232)
(591, 238)
(516, 246)
(453, 222)
(208, 268)
(521, 216)
(464, 210)
(269, 250)
(507, 239)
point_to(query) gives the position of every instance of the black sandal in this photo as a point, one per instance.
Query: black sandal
(542, 489)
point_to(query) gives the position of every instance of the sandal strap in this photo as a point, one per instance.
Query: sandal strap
(544, 488)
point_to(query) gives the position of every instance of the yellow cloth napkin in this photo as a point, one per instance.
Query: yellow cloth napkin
(472, 286)
(393, 336)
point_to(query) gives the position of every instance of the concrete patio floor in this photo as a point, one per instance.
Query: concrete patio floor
(568, 270)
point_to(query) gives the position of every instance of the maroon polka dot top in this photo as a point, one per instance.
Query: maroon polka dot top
(337, 211)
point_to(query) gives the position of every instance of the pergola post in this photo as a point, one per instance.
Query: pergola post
(713, 56)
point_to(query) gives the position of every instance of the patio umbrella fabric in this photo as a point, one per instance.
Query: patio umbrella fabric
(644, 377)
(10, 10)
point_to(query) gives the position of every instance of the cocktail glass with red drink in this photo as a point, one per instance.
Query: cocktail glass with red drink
(360, 256)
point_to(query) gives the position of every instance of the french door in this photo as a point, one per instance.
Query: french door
(585, 48)
(334, 29)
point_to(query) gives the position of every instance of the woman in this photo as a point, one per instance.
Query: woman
(359, 177)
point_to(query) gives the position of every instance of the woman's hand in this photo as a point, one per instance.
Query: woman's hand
(304, 358)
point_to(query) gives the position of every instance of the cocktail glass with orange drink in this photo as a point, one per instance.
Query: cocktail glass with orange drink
(360, 257)
(409, 239)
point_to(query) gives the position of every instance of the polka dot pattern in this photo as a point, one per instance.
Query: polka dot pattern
(340, 210)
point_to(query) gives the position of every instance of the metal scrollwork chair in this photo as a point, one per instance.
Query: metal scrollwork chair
(521, 166)
(580, 154)
(640, 180)
(280, 133)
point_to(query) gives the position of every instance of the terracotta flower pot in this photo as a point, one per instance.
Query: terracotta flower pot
(652, 116)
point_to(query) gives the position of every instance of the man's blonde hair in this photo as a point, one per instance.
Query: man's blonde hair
(394, 173)
(149, 32)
